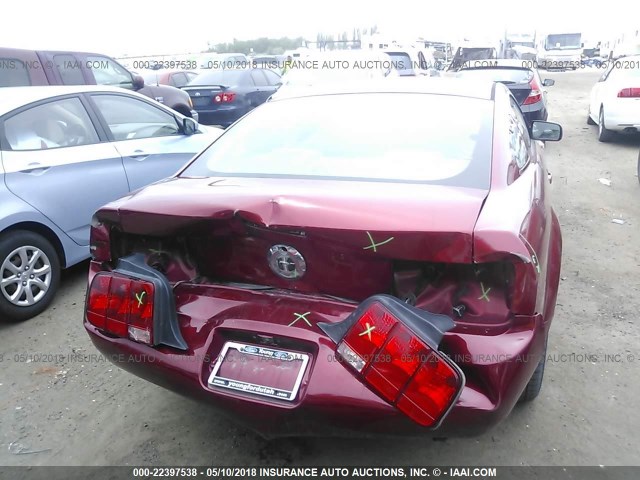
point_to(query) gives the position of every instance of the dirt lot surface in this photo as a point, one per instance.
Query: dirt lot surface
(60, 410)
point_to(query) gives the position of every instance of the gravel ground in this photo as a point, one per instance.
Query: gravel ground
(57, 410)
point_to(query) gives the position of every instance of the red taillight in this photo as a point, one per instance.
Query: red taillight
(536, 93)
(122, 306)
(98, 300)
(629, 93)
(224, 97)
(397, 365)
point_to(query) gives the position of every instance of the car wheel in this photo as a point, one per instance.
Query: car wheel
(532, 389)
(29, 275)
(604, 135)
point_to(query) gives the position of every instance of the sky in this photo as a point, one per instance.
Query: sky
(125, 27)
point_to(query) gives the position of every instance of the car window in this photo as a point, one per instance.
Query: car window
(258, 78)
(272, 77)
(70, 69)
(130, 118)
(401, 61)
(108, 72)
(13, 73)
(179, 79)
(191, 76)
(150, 78)
(369, 136)
(519, 140)
(625, 69)
(60, 123)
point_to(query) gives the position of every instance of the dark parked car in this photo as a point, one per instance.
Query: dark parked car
(520, 77)
(222, 96)
(21, 68)
(339, 261)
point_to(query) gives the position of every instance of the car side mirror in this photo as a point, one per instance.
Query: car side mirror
(138, 82)
(548, 82)
(189, 126)
(546, 131)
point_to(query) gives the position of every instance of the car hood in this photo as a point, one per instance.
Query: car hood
(352, 210)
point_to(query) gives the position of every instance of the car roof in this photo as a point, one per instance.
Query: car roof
(165, 71)
(430, 85)
(635, 56)
(15, 97)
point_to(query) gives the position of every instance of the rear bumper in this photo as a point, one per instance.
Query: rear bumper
(223, 118)
(622, 114)
(331, 400)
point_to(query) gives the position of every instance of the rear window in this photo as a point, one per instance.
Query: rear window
(151, 78)
(377, 137)
(625, 68)
(219, 77)
(13, 73)
(401, 61)
(505, 75)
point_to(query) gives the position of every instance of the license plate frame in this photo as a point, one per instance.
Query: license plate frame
(264, 354)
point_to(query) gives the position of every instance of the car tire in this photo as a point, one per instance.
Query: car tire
(42, 285)
(532, 389)
(590, 120)
(604, 135)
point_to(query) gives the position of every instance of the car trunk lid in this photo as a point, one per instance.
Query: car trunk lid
(520, 91)
(203, 96)
(350, 235)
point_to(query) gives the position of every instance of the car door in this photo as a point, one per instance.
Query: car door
(55, 160)
(526, 156)
(147, 136)
(262, 90)
(275, 81)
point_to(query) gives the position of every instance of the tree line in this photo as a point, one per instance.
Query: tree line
(277, 46)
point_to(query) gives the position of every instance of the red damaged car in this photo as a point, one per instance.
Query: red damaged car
(380, 258)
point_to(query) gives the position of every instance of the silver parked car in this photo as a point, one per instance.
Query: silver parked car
(64, 152)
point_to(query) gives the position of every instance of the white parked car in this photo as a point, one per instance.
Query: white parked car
(615, 100)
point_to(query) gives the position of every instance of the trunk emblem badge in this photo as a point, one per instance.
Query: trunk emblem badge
(286, 262)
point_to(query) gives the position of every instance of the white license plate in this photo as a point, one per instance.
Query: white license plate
(259, 370)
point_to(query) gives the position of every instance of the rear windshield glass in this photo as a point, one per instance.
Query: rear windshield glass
(219, 77)
(401, 62)
(151, 78)
(563, 41)
(625, 68)
(505, 75)
(378, 137)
